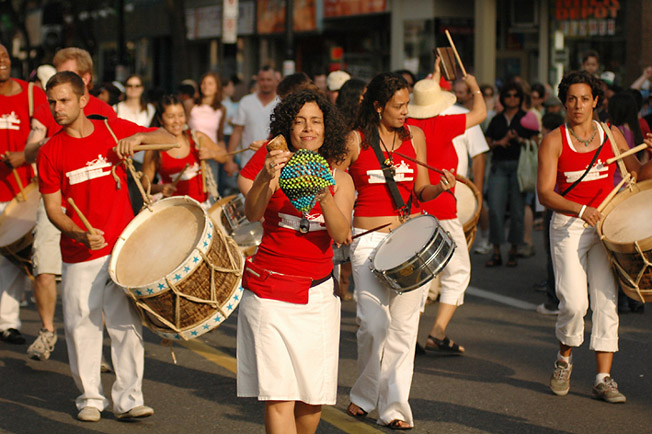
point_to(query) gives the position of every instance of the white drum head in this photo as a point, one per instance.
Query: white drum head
(405, 242)
(158, 242)
(630, 220)
(19, 217)
(467, 204)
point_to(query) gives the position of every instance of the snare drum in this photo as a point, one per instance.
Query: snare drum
(626, 232)
(181, 273)
(229, 215)
(469, 205)
(17, 223)
(412, 254)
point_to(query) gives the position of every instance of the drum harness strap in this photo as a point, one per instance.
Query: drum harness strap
(208, 180)
(388, 172)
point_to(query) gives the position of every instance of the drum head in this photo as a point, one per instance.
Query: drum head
(405, 242)
(630, 221)
(19, 217)
(467, 204)
(158, 242)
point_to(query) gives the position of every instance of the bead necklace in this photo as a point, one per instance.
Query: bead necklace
(388, 161)
(584, 142)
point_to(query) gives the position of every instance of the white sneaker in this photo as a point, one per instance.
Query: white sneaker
(483, 247)
(136, 412)
(89, 414)
(43, 345)
(543, 310)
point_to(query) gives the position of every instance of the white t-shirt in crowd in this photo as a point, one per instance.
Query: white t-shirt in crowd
(142, 118)
(254, 117)
(469, 144)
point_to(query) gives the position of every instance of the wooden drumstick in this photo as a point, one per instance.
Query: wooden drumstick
(20, 184)
(370, 230)
(153, 147)
(632, 151)
(81, 216)
(178, 178)
(457, 55)
(429, 167)
(228, 154)
(611, 195)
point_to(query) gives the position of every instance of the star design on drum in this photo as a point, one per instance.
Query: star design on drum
(161, 286)
(194, 333)
(195, 259)
(217, 319)
(138, 292)
(150, 291)
(186, 269)
(205, 244)
(230, 306)
(210, 236)
(177, 277)
(206, 326)
(236, 298)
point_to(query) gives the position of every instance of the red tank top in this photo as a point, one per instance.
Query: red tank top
(374, 198)
(190, 183)
(286, 250)
(597, 184)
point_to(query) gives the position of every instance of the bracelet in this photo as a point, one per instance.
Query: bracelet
(579, 215)
(477, 91)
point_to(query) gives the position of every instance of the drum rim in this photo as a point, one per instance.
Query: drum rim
(478, 197)
(385, 240)
(619, 246)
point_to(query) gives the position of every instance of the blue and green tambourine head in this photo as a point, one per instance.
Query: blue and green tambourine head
(303, 177)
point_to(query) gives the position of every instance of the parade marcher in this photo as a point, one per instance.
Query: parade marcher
(46, 257)
(76, 163)
(289, 316)
(14, 130)
(424, 112)
(388, 321)
(573, 180)
(194, 146)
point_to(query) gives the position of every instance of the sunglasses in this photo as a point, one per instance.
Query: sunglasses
(134, 85)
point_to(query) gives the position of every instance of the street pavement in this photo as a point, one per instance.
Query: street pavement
(498, 386)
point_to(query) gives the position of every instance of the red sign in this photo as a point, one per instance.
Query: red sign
(341, 8)
(585, 9)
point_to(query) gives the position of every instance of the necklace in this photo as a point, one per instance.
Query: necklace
(584, 142)
(388, 161)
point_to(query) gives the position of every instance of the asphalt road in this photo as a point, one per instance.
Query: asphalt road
(499, 386)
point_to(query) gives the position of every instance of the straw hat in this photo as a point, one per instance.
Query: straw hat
(429, 100)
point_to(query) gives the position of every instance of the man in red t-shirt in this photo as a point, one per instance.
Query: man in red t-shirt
(46, 256)
(428, 102)
(77, 163)
(14, 128)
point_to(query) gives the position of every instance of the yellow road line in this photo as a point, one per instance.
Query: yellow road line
(330, 415)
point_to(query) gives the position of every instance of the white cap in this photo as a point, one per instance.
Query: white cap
(336, 79)
(44, 73)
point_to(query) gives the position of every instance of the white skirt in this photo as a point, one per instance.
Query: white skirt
(287, 351)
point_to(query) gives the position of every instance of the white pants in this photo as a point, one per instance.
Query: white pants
(12, 283)
(386, 338)
(455, 277)
(87, 292)
(579, 260)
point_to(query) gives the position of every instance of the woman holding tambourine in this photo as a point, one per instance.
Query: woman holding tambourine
(288, 323)
(388, 321)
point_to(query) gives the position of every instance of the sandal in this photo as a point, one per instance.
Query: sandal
(355, 411)
(398, 424)
(495, 261)
(444, 346)
(511, 260)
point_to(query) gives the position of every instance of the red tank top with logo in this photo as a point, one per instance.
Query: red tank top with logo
(190, 183)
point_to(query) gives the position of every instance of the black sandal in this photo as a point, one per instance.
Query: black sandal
(444, 346)
(495, 261)
(511, 260)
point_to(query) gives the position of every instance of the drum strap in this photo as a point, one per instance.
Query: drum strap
(402, 208)
(588, 168)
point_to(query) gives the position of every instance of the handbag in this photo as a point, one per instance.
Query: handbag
(527, 167)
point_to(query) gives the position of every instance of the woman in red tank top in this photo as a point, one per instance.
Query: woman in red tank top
(170, 164)
(573, 186)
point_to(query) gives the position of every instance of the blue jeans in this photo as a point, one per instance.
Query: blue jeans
(503, 190)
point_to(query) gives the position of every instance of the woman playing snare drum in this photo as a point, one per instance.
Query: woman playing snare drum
(388, 321)
(288, 323)
(194, 146)
(570, 184)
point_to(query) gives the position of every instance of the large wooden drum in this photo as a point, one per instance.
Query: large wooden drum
(17, 223)
(626, 232)
(182, 274)
(469, 205)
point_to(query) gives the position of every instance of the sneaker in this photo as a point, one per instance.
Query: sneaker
(43, 345)
(136, 412)
(547, 310)
(12, 336)
(560, 379)
(483, 247)
(607, 390)
(89, 414)
(525, 250)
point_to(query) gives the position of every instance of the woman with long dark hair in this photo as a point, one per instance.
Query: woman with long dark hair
(388, 320)
(289, 316)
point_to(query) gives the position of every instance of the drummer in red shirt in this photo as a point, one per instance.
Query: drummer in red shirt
(77, 163)
(572, 181)
(194, 146)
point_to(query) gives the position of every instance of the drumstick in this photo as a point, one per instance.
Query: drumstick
(228, 154)
(153, 147)
(178, 178)
(202, 165)
(429, 167)
(632, 151)
(370, 230)
(81, 216)
(611, 195)
(457, 55)
(20, 184)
